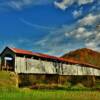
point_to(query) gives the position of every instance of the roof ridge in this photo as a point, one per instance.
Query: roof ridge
(20, 49)
(27, 52)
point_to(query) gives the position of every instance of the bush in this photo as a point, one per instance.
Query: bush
(79, 86)
(49, 86)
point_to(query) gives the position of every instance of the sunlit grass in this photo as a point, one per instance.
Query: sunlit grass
(8, 91)
(27, 94)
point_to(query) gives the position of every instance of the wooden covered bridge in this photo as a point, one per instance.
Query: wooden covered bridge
(46, 68)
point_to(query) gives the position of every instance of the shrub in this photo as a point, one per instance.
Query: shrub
(79, 86)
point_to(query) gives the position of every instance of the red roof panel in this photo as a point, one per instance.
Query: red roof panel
(20, 51)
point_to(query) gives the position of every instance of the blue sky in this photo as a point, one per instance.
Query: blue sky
(50, 26)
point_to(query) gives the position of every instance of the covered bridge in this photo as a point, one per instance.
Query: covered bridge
(29, 63)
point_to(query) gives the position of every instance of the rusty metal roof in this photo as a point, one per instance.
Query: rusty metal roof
(21, 51)
(26, 52)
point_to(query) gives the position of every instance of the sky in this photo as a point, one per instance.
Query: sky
(53, 27)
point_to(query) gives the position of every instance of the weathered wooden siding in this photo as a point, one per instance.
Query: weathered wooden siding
(26, 65)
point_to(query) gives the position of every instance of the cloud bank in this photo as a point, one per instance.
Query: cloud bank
(66, 3)
(20, 4)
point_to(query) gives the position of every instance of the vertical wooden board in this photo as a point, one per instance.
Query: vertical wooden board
(96, 72)
(91, 71)
(49, 67)
(29, 64)
(15, 64)
(84, 71)
(99, 72)
(42, 67)
(67, 70)
(37, 67)
(0, 63)
(64, 69)
(34, 66)
(23, 65)
(88, 70)
(80, 70)
(74, 69)
(60, 69)
(18, 64)
(53, 68)
(45, 66)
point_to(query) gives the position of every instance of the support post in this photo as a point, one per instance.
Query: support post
(93, 80)
(15, 64)
(5, 65)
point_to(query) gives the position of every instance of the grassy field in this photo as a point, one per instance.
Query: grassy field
(9, 91)
(27, 94)
(7, 79)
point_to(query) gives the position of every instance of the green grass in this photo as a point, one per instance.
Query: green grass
(7, 79)
(9, 91)
(27, 94)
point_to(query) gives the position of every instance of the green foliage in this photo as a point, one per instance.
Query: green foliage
(79, 86)
(7, 79)
(8, 91)
(27, 94)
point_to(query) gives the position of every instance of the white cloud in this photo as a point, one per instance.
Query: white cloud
(77, 13)
(95, 45)
(67, 34)
(90, 19)
(81, 2)
(76, 35)
(80, 33)
(91, 45)
(53, 43)
(90, 36)
(16, 4)
(95, 42)
(20, 4)
(66, 3)
(68, 37)
(56, 42)
(81, 30)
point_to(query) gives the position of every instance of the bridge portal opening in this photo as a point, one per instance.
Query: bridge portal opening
(9, 63)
